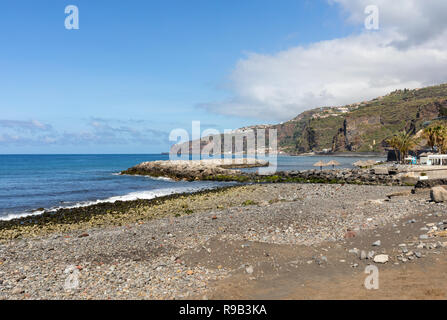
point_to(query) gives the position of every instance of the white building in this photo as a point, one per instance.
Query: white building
(435, 160)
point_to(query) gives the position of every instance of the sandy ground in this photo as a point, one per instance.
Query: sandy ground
(285, 274)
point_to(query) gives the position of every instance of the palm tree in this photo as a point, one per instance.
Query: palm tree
(430, 133)
(403, 142)
(394, 143)
(441, 138)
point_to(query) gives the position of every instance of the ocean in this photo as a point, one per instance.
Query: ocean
(30, 183)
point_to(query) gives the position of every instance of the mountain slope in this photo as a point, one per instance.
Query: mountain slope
(363, 127)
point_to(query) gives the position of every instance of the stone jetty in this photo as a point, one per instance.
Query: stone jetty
(195, 169)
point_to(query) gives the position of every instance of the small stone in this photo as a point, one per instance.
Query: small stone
(418, 254)
(350, 234)
(423, 237)
(249, 269)
(377, 243)
(17, 290)
(381, 258)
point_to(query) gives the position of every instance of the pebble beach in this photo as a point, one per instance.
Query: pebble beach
(186, 246)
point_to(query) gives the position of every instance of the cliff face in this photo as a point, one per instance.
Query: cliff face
(363, 127)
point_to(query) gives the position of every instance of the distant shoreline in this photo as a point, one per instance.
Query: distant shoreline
(337, 154)
(315, 154)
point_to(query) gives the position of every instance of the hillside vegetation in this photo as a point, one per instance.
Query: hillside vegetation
(363, 127)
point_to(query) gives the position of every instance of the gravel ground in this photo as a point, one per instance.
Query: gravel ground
(143, 259)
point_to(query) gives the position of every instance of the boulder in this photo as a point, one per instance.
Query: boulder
(409, 178)
(438, 194)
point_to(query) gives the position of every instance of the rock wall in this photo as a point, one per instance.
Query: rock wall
(350, 176)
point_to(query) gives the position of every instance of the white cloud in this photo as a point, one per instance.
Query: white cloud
(32, 125)
(341, 71)
(417, 21)
(99, 132)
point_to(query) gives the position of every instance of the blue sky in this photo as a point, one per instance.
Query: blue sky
(135, 70)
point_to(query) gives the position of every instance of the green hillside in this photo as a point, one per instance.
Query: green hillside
(363, 127)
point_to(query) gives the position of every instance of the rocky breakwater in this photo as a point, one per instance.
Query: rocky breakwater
(218, 170)
(348, 176)
(195, 169)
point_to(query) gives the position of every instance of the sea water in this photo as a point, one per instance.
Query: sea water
(30, 183)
